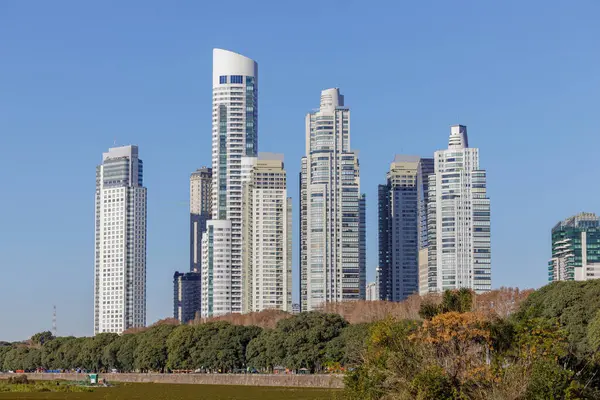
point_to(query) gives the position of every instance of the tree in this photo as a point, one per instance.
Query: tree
(39, 339)
(126, 353)
(179, 346)
(391, 362)
(593, 335)
(151, 352)
(305, 337)
(93, 350)
(459, 344)
(573, 304)
(16, 358)
(265, 351)
(221, 345)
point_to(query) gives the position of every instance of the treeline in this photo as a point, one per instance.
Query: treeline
(503, 345)
(548, 348)
(315, 341)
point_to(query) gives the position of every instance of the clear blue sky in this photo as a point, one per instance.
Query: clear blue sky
(76, 76)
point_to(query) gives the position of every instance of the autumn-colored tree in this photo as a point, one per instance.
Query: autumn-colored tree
(266, 319)
(459, 343)
(501, 302)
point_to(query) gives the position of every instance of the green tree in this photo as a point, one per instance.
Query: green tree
(179, 346)
(52, 357)
(428, 309)
(266, 350)
(573, 304)
(16, 358)
(39, 339)
(593, 335)
(547, 381)
(349, 346)
(126, 352)
(391, 363)
(93, 349)
(151, 352)
(432, 384)
(221, 345)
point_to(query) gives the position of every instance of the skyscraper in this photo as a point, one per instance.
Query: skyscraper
(200, 212)
(402, 226)
(575, 249)
(459, 246)
(267, 235)
(186, 296)
(332, 209)
(187, 287)
(217, 279)
(120, 250)
(234, 135)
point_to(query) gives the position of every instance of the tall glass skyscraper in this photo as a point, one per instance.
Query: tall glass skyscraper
(459, 247)
(332, 209)
(120, 250)
(234, 135)
(575, 249)
(402, 207)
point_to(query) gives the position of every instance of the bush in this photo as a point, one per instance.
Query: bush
(18, 380)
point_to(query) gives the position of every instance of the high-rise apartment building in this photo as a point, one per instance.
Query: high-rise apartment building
(234, 135)
(217, 277)
(120, 242)
(186, 296)
(575, 249)
(459, 247)
(332, 209)
(200, 212)
(187, 287)
(402, 227)
(372, 291)
(266, 234)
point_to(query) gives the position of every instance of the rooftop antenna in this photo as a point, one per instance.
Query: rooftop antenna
(54, 322)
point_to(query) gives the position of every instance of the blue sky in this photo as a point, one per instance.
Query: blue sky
(77, 76)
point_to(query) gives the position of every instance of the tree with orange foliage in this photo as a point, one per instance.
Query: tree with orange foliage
(459, 343)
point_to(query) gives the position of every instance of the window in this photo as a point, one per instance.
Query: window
(237, 79)
(223, 79)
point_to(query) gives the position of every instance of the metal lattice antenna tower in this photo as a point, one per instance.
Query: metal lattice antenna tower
(54, 322)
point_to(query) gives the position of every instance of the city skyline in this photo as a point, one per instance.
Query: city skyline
(78, 85)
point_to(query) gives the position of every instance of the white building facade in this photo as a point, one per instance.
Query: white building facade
(332, 209)
(234, 135)
(267, 235)
(217, 280)
(372, 291)
(459, 248)
(120, 242)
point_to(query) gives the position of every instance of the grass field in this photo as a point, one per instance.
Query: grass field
(157, 391)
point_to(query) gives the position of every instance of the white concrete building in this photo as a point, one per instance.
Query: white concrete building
(120, 250)
(372, 291)
(267, 234)
(217, 278)
(234, 135)
(332, 209)
(458, 219)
